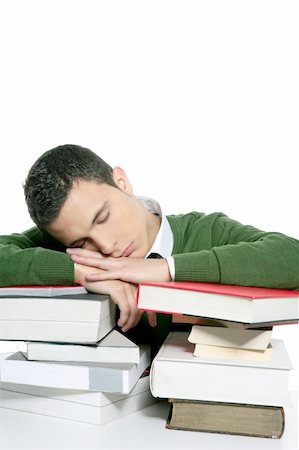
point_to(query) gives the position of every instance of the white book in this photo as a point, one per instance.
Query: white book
(176, 373)
(82, 318)
(105, 377)
(230, 337)
(92, 398)
(90, 407)
(115, 347)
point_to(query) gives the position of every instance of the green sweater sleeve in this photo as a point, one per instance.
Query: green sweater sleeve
(34, 258)
(215, 248)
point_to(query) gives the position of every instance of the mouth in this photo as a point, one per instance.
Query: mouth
(127, 252)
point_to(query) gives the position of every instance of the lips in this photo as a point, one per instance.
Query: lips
(128, 250)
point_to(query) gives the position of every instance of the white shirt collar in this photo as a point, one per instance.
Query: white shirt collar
(163, 243)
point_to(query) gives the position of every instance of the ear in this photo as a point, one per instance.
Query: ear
(121, 180)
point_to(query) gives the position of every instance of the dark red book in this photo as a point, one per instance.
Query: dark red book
(245, 304)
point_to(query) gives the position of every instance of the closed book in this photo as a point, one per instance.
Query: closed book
(177, 373)
(230, 337)
(81, 318)
(227, 418)
(92, 398)
(104, 377)
(115, 347)
(244, 304)
(241, 354)
(89, 407)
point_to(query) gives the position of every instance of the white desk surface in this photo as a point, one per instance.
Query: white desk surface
(142, 430)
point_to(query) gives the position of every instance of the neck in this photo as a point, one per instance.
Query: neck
(154, 227)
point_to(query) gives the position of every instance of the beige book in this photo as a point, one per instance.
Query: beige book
(227, 418)
(230, 337)
(212, 351)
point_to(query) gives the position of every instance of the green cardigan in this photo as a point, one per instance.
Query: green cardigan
(210, 248)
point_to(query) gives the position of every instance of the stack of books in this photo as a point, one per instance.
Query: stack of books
(227, 375)
(75, 364)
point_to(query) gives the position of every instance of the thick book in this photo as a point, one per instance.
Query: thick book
(227, 418)
(244, 304)
(250, 339)
(41, 291)
(96, 408)
(177, 373)
(80, 318)
(104, 377)
(115, 347)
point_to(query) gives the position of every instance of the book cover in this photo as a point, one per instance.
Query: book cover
(114, 347)
(227, 418)
(217, 301)
(41, 291)
(177, 373)
(105, 377)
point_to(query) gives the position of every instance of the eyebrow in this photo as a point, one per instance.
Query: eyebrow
(97, 214)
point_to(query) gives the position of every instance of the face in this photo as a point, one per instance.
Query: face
(107, 219)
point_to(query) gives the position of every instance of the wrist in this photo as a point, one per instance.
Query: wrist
(79, 276)
(164, 272)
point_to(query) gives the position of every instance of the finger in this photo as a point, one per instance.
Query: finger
(85, 260)
(133, 317)
(84, 252)
(105, 275)
(90, 261)
(152, 318)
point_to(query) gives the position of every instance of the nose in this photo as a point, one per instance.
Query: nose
(102, 243)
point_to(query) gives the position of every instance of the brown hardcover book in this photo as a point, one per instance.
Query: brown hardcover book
(227, 418)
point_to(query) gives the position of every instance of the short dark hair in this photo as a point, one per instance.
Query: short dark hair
(51, 178)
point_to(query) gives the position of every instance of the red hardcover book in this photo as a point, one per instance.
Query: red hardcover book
(245, 304)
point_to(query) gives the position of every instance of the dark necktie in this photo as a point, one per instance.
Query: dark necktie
(154, 256)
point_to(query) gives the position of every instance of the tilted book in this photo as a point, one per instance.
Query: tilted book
(250, 339)
(244, 304)
(177, 373)
(96, 408)
(240, 354)
(105, 377)
(115, 347)
(227, 418)
(81, 318)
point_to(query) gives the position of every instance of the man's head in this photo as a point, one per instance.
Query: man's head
(82, 202)
(51, 179)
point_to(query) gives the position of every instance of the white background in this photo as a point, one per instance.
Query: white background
(196, 100)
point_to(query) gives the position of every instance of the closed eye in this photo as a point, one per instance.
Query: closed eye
(104, 220)
(81, 244)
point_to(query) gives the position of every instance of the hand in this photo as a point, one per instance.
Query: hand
(122, 294)
(132, 270)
